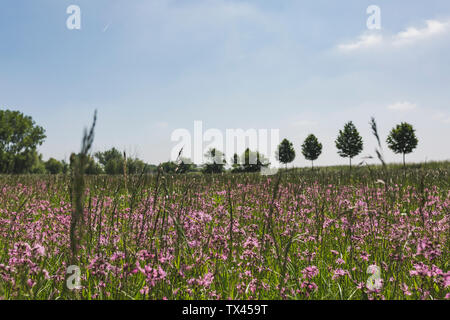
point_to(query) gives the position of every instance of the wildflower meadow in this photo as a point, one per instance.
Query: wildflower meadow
(369, 233)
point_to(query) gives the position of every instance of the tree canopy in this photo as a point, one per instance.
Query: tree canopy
(112, 161)
(169, 167)
(285, 152)
(215, 162)
(235, 164)
(311, 148)
(19, 138)
(54, 166)
(402, 139)
(349, 143)
(253, 161)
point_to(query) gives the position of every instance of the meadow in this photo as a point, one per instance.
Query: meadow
(372, 232)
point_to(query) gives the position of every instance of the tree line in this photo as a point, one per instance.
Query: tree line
(20, 136)
(401, 140)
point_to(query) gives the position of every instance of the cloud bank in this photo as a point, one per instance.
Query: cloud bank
(410, 36)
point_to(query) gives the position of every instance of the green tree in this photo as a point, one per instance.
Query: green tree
(349, 143)
(402, 139)
(136, 166)
(235, 164)
(53, 166)
(285, 152)
(19, 138)
(92, 166)
(111, 160)
(311, 149)
(151, 168)
(38, 166)
(169, 167)
(215, 162)
(65, 166)
(253, 161)
(185, 165)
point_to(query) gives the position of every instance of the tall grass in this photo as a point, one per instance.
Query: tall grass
(300, 235)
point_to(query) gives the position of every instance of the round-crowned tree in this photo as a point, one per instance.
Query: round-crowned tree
(285, 152)
(311, 149)
(19, 138)
(215, 161)
(349, 143)
(53, 166)
(253, 161)
(402, 139)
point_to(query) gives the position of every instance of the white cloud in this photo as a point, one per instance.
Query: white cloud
(402, 106)
(364, 41)
(409, 36)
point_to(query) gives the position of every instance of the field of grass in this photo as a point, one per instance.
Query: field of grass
(331, 233)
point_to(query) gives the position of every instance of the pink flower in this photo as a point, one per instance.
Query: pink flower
(144, 290)
(31, 283)
(447, 279)
(46, 275)
(310, 286)
(364, 256)
(310, 272)
(360, 285)
(339, 273)
(405, 290)
(39, 249)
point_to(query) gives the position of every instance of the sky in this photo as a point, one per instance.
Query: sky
(151, 67)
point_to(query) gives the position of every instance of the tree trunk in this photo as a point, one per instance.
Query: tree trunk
(312, 165)
(350, 163)
(404, 165)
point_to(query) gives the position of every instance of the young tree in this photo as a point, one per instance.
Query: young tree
(349, 143)
(185, 165)
(311, 149)
(19, 138)
(112, 161)
(169, 167)
(285, 152)
(402, 139)
(235, 164)
(253, 161)
(215, 161)
(92, 167)
(38, 166)
(65, 166)
(53, 166)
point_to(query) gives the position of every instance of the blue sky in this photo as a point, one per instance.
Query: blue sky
(150, 67)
